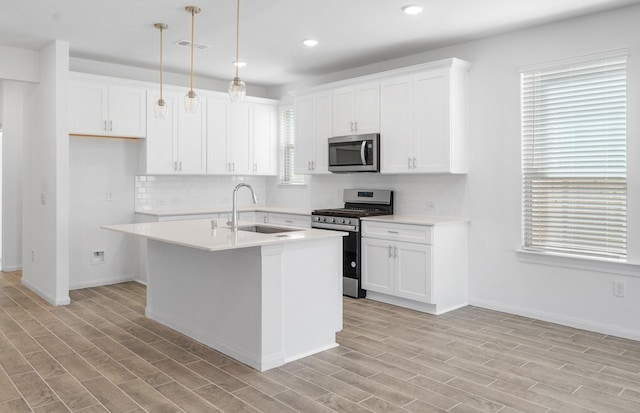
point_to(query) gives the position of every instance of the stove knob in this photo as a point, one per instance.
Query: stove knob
(330, 220)
(346, 221)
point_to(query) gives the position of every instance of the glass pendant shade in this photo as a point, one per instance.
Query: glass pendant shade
(237, 89)
(160, 109)
(191, 102)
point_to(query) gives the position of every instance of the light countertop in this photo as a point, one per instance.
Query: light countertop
(205, 211)
(198, 234)
(415, 220)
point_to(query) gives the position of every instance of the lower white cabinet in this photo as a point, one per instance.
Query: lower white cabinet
(294, 220)
(423, 267)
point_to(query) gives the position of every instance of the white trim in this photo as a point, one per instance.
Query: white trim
(12, 269)
(579, 323)
(101, 282)
(579, 263)
(574, 60)
(51, 300)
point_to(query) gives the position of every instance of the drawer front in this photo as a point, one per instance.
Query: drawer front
(293, 220)
(421, 234)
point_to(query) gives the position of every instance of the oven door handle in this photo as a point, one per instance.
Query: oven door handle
(336, 227)
(363, 157)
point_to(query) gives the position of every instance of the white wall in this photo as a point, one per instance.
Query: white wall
(490, 194)
(101, 181)
(13, 131)
(45, 169)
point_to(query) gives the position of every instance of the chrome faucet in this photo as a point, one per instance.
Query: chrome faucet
(234, 213)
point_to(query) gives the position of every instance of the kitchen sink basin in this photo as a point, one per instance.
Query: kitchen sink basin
(263, 229)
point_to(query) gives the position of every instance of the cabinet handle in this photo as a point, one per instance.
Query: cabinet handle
(288, 221)
(309, 165)
(395, 251)
(264, 218)
(180, 163)
(392, 232)
(409, 164)
(313, 165)
(390, 251)
(351, 126)
(110, 126)
(104, 126)
(355, 129)
(414, 163)
(233, 166)
(255, 167)
(175, 166)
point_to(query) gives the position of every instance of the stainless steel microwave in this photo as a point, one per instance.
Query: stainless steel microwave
(355, 153)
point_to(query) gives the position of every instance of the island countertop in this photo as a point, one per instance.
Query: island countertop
(199, 234)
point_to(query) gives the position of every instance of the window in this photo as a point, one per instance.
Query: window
(287, 148)
(574, 173)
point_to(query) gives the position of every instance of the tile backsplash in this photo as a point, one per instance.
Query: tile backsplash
(171, 193)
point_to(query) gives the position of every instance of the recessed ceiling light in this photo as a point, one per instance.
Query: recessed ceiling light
(310, 42)
(240, 64)
(412, 9)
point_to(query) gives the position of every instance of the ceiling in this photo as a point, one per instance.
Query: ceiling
(351, 33)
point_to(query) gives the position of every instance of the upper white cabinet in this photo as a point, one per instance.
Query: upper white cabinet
(103, 107)
(177, 144)
(241, 137)
(356, 109)
(423, 120)
(313, 128)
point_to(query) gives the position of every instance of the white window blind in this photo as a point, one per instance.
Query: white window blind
(287, 148)
(574, 159)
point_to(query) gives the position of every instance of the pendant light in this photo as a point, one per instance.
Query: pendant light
(191, 99)
(160, 109)
(237, 88)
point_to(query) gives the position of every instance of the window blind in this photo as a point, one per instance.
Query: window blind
(287, 148)
(574, 159)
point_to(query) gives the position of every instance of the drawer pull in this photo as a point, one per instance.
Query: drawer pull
(392, 232)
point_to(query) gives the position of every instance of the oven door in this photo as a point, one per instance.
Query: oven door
(357, 153)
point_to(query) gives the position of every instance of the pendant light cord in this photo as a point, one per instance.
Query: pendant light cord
(237, 37)
(161, 62)
(193, 13)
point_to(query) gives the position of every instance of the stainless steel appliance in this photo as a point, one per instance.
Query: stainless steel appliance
(355, 153)
(359, 203)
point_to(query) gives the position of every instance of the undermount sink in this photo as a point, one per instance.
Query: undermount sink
(263, 229)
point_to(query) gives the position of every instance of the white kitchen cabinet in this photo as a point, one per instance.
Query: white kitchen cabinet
(313, 127)
(177, 144)
(242, 137)
(356, 109)
(102, 107)
(264, 129)
(423, 120)
(423, 267)
(294, 220)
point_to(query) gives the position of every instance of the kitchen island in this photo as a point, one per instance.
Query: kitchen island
(264, 299)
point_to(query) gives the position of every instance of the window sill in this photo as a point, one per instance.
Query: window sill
(588, 264)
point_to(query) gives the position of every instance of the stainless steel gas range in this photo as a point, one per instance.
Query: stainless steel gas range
(358, 203)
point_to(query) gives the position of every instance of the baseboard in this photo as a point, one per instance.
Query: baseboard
(557, 319)
(100, 282)
(12, 269)
(51, 300)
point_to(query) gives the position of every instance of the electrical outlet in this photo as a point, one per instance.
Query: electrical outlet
(619, 288)
(109, 196)
(432, 206)
(43, 198)
(97, 257)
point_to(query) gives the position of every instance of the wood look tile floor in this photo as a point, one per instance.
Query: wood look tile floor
(101, 354)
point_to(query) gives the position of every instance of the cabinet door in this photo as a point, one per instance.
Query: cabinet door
(162, 150)
(218, 120)
(127, 111)
(265, 140)
(344, 111)
(323, 129)
(432, 148)
(413, 269)
(377, 265)
(304, 135)
(192, 140)
(88, 108)
(396, 125)
(240, 143)
(367, 108)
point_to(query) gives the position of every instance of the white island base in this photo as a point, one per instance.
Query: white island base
(263, 305)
